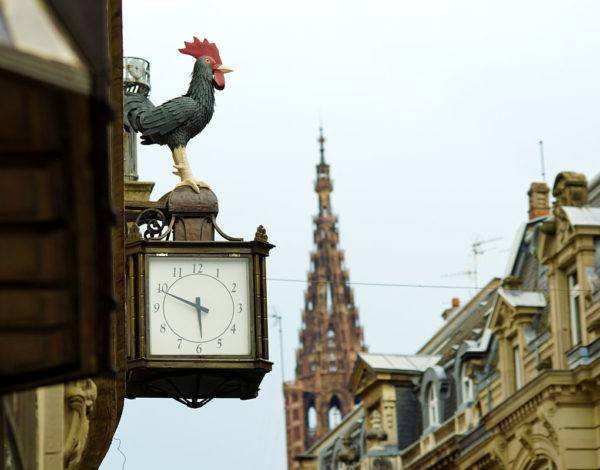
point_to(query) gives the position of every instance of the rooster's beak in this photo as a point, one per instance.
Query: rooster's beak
(224, 69)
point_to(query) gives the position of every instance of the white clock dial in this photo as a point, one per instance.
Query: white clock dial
(199, 305)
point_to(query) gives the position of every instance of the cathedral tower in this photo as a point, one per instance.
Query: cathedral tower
(330, 337)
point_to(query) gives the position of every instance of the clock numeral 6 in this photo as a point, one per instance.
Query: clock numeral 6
(198, 349)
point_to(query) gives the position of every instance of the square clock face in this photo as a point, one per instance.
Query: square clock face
(199, 305)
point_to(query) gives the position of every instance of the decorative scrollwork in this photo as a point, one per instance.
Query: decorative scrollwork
(156, 224)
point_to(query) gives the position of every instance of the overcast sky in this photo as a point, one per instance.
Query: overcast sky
(432, 111)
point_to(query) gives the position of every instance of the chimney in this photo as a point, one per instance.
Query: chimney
(539, 203)
(455, 304)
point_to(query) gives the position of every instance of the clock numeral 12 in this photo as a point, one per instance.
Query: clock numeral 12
(197, 268)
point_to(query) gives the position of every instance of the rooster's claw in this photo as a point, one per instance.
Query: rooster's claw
(194, 184)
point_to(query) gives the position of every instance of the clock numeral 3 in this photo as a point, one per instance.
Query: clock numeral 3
(239, 308)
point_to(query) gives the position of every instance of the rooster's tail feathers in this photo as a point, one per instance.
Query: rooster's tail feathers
(135, 105)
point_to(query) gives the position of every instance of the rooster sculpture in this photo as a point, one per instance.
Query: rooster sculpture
(175, 122)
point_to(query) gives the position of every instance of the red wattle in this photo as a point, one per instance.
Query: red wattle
(219, 79)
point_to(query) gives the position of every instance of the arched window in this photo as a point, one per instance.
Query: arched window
(466, 384)
(334, 416)
(330, 338)
(433, 414)
(311, 419)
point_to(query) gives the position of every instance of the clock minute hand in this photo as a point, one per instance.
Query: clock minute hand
(200, 309)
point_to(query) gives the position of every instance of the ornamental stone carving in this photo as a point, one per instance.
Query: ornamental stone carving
(80, 398)
(376, 434)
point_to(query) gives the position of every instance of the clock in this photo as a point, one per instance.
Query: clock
(197, 324)
(199, 305)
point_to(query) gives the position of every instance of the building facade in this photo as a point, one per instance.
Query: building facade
(62, 341)
(330, 337)
(512, 378)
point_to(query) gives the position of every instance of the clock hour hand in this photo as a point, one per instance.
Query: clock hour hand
(183, 300)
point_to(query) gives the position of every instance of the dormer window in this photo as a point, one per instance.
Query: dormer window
(433, 414)
(574, 309)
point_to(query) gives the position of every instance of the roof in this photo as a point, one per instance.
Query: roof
(519, 298)
(583, 215)
(399, 362)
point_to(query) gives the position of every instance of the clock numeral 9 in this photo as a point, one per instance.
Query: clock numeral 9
(156, 307)
(163, 288)
(198, 349)
(197, 268)
(176, 272)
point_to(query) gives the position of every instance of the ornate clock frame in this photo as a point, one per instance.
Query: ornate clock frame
(190, 219)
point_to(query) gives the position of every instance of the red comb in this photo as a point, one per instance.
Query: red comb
(200, 49)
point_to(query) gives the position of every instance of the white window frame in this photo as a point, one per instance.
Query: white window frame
(433, 410)
(518, 375)
(574, 310)
(466, 384)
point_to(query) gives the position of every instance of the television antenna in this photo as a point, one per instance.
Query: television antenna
(279, 320)
(477, 250)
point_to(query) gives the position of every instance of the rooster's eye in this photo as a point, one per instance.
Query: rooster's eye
(207, 61)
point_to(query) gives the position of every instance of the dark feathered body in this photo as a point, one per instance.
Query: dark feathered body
(175, 122)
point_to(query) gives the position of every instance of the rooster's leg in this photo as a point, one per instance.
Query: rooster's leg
(183, 170)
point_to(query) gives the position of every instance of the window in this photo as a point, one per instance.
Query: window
(574, 309)
(432, 406)
(518, 378)
(466, 384)
(331, 338)
(311, 419)
(335, 417)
